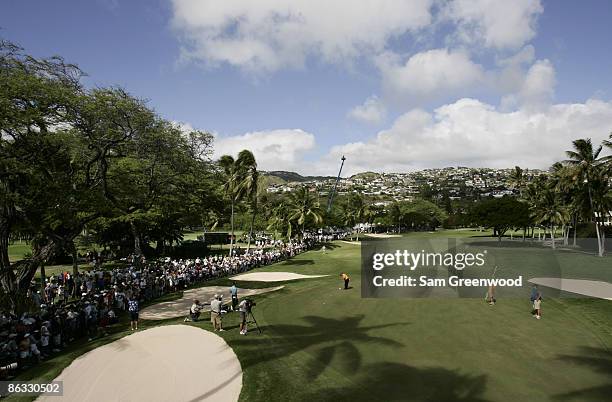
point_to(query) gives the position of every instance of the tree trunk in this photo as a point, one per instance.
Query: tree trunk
(43, 277)
(16, 284)
(601, 236)
(75, 260)
(552, 236)
(251, 231)
(232, 229)
(599, 250)
(137, 247)
(7, 275)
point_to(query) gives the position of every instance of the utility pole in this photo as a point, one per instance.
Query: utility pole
(333, 192)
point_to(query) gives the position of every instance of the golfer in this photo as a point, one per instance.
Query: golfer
(346, 279)
(537, 307)
(234, 294)
(133, 310)
(215, 312)
(491, 295)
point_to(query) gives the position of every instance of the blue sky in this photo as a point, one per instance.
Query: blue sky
(395, 85)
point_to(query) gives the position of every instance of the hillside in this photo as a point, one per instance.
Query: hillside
(295, 177)
(365, 176)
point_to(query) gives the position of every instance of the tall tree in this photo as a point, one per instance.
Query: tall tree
(587, 172)
(304, 207)
(37, 97)
(551, 211)
(239, 173)
(249, 187)
(517, 179)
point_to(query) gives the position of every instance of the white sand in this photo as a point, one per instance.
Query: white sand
(273, 276)
(169, 363)
(351, 242)
(180, 307)
(382, 235)
(599, 289)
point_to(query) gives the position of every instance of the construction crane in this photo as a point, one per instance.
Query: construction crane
(333, 192)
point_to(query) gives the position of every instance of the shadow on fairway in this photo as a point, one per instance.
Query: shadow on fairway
(600, 360)
(330, 338)
(401, 382)
(298, 262)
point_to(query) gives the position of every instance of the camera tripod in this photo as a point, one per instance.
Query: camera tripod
(250, 313)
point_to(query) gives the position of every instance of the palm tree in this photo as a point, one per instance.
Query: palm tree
(550, 210)
(586, 168)
(517, 179)
(238, 172)
(303, 206)
(279, 218)
(395, 214)
(355, 211)
(248, 187)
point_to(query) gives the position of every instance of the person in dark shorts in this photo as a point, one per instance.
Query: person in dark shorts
(133, 310)
(346, 280)
(234, 294)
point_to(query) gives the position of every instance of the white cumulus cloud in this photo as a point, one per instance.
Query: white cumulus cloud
(429, 73)
(499, 24)
(281, 149)
(372, 111)
(267, 35)
(536, 90)
(472, 133)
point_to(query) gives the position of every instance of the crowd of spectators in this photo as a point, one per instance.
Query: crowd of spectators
(73, 307)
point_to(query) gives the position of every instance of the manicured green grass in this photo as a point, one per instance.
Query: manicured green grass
(322, 343)
(18, 250)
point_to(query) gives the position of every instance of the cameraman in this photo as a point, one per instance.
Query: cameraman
(194, 311)
(244, 307)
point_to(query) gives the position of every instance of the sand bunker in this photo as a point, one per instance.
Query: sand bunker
(167, 363)
(273, 276)
(599, 289)
(180, 307)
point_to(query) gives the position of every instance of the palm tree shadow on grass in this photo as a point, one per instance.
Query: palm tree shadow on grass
(298, 262)
(401, 382)
(600, 360)
(331, 339)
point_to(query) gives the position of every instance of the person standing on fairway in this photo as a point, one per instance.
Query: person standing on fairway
(215, 313)
(234, 294)
(346, 279)
(243, 317)
(491, 295)
(537, 307)
(533, 297)
(133, 310)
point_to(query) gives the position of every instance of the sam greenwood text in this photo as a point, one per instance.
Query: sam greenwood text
(453, 281)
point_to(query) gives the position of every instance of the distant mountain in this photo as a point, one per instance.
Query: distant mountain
(295, 177)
